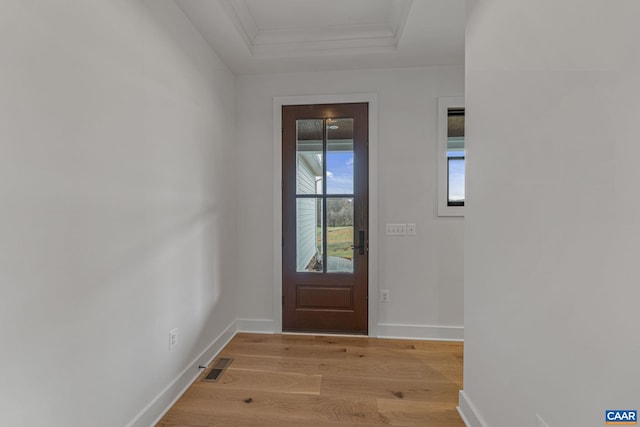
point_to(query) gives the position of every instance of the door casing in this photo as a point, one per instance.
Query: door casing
(275, 325)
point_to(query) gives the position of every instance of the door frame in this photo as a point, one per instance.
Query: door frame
(278, 102)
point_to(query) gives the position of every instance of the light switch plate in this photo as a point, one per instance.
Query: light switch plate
(396, 229)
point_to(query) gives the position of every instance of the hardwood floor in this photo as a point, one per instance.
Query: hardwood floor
(312, 381)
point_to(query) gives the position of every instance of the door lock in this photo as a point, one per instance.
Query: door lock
(362, 245)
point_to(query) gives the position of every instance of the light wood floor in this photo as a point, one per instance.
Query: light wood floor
(311, 381)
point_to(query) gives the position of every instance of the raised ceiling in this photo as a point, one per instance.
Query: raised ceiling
(318, 28)
(268, 36)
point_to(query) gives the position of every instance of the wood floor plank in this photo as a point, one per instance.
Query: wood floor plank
(258, 422)
(327, 381)
(204, 403)
(261, 380)
(440, 390)
(287, 350)
(365, 367)
(407, 413)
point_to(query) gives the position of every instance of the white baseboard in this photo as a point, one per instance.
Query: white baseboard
(468, 412)
(420, 332)
(258, 326)
(382, 330)
(155, 410)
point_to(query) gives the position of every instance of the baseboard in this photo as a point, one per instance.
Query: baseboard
(257, 326)
(159, 406)
(468, 412)
(383, 330)
(420, 332)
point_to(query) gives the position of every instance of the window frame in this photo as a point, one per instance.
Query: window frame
(444, 104)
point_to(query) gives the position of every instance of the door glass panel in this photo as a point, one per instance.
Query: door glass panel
(456, 180)
(340, 235)
(309, 234)
(455, 157)
(309, 156)
(339, 156)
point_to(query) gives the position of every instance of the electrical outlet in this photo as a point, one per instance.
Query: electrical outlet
(396, 229)
(412, 230)
(384, 295)
(173, 338)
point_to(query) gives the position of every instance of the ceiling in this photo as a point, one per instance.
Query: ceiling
(274, 36)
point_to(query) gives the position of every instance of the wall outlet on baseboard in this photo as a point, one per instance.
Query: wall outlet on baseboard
(384, 295)
(173, 338)
(541, 422)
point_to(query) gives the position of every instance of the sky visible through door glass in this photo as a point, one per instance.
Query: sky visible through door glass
(339, 172)
(456, 177)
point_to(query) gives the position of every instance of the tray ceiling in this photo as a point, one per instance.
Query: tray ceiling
(294, 27)
(254, 36)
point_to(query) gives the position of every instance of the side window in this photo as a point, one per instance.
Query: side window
(451, 156)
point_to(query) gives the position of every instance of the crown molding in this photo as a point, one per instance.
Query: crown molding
(320, 39)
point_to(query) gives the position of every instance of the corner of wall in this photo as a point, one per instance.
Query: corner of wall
(468, 412)
(257, 326)
(160, 405)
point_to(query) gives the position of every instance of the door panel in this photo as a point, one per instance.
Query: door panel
(325, 217)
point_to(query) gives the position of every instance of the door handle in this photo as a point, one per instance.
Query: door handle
(361, 243)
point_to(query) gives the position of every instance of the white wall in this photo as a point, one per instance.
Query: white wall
(423, 273)
(116, 207)
(552, 229)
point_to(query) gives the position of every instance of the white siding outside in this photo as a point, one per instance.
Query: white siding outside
(306, 215)
(306, 177)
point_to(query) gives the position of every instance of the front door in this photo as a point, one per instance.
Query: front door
(325, 218)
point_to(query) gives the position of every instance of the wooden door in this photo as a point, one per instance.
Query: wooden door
(325, 218)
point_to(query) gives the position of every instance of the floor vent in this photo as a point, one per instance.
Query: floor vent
(218, 368)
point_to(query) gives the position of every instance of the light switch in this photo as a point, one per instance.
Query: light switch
(396, 229)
